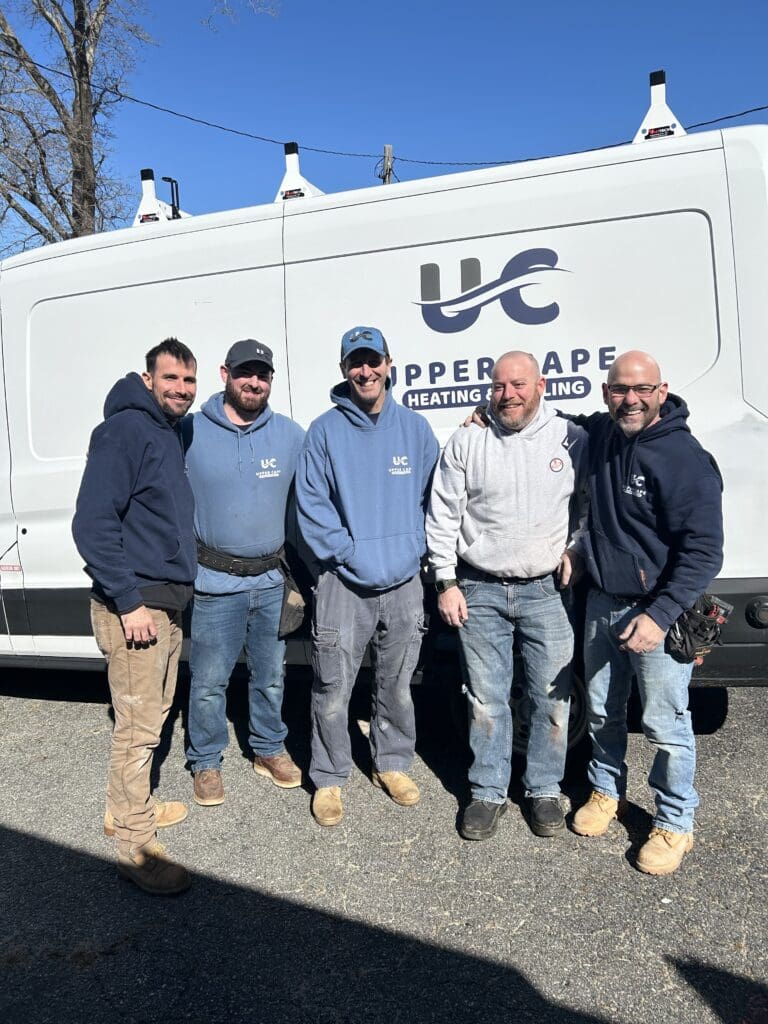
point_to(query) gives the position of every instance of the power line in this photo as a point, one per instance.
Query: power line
(337, 152)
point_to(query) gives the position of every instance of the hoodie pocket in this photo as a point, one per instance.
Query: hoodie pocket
(621, 571)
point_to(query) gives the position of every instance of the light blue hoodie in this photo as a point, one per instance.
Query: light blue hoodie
(242, 480)
(361, 490)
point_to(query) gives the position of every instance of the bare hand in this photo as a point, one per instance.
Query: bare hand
(139, 627)
(452, 606)
(641, 635)
(570, 570)
(478, 416)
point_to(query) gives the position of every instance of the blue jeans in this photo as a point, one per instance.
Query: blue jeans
(663, 686)
(222, 624)
(345, 620)
(535, 612)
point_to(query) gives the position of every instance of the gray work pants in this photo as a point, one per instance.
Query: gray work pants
(345, 620)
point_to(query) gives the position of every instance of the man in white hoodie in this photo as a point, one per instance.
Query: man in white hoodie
(505, 502)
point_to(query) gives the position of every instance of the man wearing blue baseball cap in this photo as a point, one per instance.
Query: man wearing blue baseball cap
(361, 488)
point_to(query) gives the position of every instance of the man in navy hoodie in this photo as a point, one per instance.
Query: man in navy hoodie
(241, 461)
(361, 490)
(133, 527)
(654, 545)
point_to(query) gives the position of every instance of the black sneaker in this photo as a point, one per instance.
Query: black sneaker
(547, 818)
(481, 819)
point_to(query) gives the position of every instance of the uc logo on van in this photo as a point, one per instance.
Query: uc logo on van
(457, 314)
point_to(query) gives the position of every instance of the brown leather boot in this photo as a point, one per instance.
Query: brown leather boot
(209, 787)
(399, 786)
(280, 769)
(150, 869)
(167, 812)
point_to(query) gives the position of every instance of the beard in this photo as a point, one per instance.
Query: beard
(247, 404)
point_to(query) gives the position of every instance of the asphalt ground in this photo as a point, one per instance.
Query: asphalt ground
(390, 917)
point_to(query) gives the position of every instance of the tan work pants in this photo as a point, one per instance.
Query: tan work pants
(142, 683)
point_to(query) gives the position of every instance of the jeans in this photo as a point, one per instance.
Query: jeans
(534, 611)
(142, 682)
(345, 620)
(663, 686)
(221, 625)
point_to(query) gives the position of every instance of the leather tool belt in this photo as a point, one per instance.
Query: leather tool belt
(235, 565)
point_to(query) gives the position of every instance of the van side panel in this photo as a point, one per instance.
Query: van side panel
(72, 331)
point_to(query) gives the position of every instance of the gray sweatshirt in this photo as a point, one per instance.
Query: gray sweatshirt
(508, 503)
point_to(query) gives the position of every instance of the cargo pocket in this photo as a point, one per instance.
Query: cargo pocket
(326, 656)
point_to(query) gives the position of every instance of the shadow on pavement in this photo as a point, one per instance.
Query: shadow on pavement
(80, 945)
(735, 1000)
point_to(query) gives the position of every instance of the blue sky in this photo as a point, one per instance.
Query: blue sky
(445, 80)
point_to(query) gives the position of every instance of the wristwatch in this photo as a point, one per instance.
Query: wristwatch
(442, 585)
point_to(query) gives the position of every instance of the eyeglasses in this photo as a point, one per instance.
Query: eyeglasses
(641, 390)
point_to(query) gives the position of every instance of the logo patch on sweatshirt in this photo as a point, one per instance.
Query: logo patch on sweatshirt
(556, 465)
(636, 486)
(269, 468)
(400, 466)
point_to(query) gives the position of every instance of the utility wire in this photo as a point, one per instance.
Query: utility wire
(337, 152)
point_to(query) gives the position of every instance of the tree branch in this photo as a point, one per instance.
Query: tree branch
(9, 38)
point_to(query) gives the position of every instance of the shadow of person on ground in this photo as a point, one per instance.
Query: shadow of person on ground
(80, 945)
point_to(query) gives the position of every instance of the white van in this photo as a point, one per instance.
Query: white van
(661, 246)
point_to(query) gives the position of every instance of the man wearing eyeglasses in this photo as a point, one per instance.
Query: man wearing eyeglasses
(361, 488)
(241, 461)
(653, 545)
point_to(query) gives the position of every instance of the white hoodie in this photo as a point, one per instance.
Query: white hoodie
(502, 500)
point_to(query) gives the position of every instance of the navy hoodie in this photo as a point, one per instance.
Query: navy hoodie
(133, 521)
(655, 524)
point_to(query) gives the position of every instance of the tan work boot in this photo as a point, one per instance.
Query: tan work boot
(663, 851)
(152, 871)
(326, 805)
(279, 768)
(399, 786)
(209, 787)
(597, 814)
(167, 812)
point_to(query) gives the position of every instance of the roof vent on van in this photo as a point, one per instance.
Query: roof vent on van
(151, 209)
(659, 122)
(293, 186)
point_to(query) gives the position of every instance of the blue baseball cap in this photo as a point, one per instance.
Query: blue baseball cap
(363, 337)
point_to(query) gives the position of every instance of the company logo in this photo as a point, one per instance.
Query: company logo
(400, 466)
(448, 316)
(268, 469)
(556, 465)
(636, 486)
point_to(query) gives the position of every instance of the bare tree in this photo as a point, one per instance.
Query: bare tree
(54, 115)
(55, 112)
